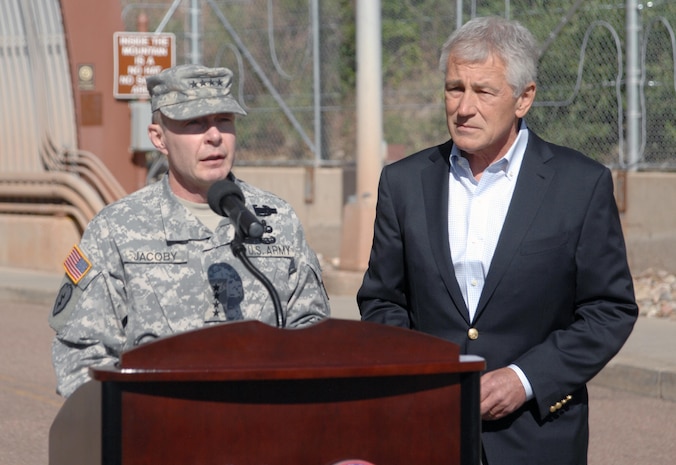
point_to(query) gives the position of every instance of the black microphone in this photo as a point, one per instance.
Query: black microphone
(226, 198)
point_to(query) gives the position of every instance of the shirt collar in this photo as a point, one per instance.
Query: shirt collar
(509, 164)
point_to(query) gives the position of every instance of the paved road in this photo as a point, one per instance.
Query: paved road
(629, 429)
(28, 403)
(626, 429)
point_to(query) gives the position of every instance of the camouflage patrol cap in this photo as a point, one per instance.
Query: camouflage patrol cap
(190, 91)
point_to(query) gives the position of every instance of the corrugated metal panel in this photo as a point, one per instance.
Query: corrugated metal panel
(15, 123)
(36, 100)
(61, 111)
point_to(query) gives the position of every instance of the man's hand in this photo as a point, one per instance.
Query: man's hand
(501, 393)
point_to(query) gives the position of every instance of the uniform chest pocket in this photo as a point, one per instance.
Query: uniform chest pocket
(165, 283)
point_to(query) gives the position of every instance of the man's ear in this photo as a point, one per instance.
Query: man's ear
(156, 135)
(525, 100)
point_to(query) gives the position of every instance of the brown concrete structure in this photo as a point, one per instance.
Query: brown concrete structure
(103, 123)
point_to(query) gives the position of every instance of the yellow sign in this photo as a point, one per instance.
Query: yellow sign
(137, 56)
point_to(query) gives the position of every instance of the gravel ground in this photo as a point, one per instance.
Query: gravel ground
(655, 291)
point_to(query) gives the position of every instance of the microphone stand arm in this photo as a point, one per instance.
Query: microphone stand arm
(239, 251)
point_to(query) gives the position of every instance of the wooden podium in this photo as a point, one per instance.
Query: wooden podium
(245, 393)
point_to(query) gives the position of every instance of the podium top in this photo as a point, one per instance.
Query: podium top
(251, 350)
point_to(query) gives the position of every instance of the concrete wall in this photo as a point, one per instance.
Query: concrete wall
(647, 201)
(36, 242)
(316, 194)
(649, 220)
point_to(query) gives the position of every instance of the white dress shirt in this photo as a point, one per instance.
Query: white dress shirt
(476, 213)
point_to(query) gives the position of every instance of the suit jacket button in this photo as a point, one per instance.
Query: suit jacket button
(473, 334)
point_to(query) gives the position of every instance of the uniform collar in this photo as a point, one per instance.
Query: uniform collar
(179, 224)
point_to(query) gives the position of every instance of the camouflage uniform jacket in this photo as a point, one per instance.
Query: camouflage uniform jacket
(146, 268)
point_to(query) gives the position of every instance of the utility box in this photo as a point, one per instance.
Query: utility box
(140, 119)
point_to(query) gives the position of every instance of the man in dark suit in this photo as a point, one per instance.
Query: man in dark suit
(510, 247)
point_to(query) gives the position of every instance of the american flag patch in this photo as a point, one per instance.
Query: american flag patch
(76, 265)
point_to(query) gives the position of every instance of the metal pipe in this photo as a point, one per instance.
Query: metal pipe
(369, 98)
(172, 9)
(42, 191)
(46, 209)
(261, 75)
(49, 184)
(633, 84)
(316, 78)
(458, 14)
(195, 33)
(94, 164)
(85, 164)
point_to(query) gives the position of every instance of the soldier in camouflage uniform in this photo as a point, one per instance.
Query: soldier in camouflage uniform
(159, 261)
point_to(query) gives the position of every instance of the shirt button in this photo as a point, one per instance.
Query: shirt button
(473, 334)
(474, 282)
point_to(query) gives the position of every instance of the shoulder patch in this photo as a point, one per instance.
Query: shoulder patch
(64, 305)
(76, 265)
(62, 299)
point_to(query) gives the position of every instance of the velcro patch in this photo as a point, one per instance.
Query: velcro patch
(62, 299)
(76, 265)
(64, 305)
(156, 256)
(269, 250)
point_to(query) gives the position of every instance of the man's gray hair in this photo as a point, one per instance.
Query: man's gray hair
(507, 40)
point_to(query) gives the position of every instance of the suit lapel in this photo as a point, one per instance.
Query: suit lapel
(434, 181)
(534, 178)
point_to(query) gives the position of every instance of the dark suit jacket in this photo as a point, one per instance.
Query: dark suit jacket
(558, 299)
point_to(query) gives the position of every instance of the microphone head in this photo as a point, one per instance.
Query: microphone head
(219, 191)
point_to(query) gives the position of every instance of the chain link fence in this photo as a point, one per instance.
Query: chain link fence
(301, 99)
